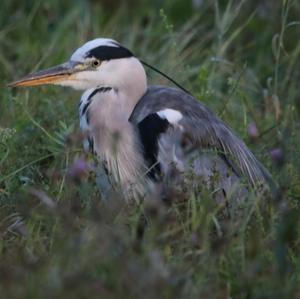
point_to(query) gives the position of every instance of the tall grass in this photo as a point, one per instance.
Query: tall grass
(59, 240)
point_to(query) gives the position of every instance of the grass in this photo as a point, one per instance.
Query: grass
(59, 240)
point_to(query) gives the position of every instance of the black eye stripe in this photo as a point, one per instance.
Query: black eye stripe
(107, 53)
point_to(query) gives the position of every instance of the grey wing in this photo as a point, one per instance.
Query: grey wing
(199, 128)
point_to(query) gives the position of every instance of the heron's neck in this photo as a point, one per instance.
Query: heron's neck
(114, 138)
(130, 83)
(121, 85)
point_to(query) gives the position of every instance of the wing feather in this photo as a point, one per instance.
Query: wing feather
(204, 129)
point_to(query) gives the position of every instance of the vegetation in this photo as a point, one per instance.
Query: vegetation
(58, 239)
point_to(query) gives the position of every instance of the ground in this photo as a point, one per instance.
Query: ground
(59, 240)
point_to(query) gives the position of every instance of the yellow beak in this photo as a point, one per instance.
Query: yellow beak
(53, 75)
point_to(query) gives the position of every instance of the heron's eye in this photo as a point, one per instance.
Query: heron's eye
(96, 63)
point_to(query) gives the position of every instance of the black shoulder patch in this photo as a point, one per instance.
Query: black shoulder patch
(149, 129)
(108, 52)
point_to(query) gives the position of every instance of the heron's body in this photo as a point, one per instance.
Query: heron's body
(144, 135)
(164, 135)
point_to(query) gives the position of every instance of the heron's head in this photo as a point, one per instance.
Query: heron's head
(100, 62)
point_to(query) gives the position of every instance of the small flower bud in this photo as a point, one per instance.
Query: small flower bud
(79, 169)
(253, 131)
(277, 156)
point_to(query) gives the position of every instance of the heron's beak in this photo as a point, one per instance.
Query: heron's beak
(53, 75)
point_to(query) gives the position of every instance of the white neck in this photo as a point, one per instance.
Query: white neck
(114, 138)
(129, 80)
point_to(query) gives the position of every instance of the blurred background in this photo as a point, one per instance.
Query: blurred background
(241, 58)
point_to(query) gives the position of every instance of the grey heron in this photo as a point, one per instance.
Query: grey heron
(147, 135)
